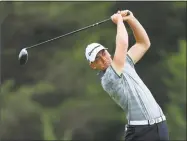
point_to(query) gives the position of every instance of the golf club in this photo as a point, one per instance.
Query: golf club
(23, 55)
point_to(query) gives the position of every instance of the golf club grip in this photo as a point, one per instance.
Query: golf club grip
(128, 13)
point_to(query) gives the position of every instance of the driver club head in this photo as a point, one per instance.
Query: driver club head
(23, 56)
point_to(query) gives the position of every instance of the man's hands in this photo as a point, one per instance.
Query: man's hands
(125, 15)
(116, 18)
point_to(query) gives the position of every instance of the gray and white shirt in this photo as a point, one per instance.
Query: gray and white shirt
(130, 93)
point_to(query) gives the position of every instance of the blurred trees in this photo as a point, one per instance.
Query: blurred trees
(56, 95)
(176, 87)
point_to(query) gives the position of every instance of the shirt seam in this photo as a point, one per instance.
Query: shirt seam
(119, 76)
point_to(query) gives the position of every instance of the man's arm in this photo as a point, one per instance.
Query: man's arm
(137, 51)
(121, 44)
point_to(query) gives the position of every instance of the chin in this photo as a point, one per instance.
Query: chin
(105, 67)
(108, 64)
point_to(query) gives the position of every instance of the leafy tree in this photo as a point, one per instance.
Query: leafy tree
(176, 91)
(20, 114)
(56, 95)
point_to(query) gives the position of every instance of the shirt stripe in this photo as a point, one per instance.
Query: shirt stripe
(130, 92)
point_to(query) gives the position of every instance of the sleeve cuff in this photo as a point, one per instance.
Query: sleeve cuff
(131, 60)
(119, 74)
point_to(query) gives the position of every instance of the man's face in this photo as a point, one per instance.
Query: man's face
(102, 61)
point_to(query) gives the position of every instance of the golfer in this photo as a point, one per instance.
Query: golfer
(119, 79)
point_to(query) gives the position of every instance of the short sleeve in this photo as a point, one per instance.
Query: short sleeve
(111, 82)
(114, 86)
(111, 74)
(129, 60)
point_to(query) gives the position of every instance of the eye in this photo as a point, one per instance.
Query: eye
(103, 52)
(97, 57)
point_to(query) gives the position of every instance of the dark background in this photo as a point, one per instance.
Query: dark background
(57, 96)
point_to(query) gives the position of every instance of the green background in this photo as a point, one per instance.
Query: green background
(57, 96)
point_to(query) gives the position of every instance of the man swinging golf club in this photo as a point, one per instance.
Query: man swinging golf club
(119, 79)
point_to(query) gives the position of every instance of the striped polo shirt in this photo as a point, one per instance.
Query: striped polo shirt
(130, 93)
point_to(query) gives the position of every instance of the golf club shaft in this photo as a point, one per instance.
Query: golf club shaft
(69, 33)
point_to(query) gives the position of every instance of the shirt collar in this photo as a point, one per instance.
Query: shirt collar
(101, 73)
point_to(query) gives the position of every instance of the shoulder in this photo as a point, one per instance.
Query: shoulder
(110, 78)
(111, 81)
(129, 60)
(111, 74)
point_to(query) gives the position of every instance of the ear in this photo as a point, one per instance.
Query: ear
(92, 65)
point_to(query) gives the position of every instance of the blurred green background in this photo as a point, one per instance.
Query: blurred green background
(57, 96)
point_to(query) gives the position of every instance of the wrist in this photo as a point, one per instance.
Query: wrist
(131, 20)
(120, 21)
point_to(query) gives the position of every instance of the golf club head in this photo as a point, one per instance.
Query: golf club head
(23, 57)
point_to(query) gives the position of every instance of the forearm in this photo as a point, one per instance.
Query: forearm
(122, 35)
(139, 32)
(121, 45)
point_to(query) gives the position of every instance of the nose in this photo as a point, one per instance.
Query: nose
(103, 58)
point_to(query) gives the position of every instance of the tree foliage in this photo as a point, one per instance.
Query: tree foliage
(57, 96)
(176, 87)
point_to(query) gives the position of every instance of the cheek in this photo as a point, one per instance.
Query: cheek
(108, 55)
(99, 63)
